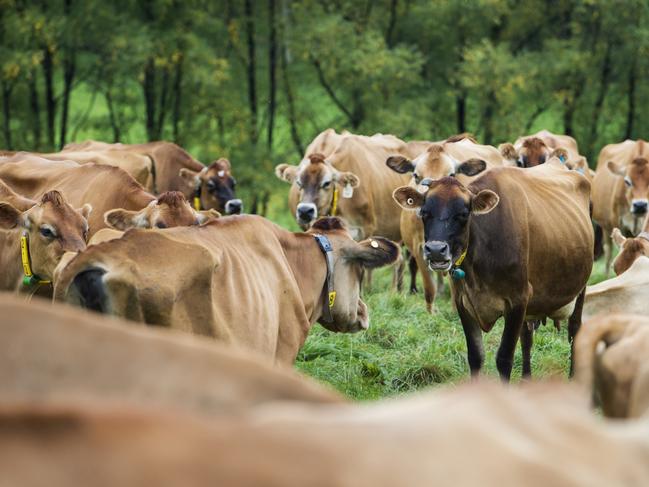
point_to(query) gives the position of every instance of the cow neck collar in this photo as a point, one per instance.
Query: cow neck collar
(329, 291)
(456, 272)
(29, 278)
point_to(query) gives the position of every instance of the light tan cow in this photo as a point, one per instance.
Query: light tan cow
(437, 161)
(626, 293)
(138, 166)
(630, 249)
(611, 359)
(34, 237)
(621, 190)
(51, 353)
(482, 435)
(241, 279)
(103, 187)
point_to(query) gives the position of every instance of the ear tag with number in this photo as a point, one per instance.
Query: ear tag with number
(348, 191)
(221, 173)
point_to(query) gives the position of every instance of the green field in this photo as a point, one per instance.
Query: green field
(405, 348)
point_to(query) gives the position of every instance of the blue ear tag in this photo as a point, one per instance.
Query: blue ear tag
(458, 274)
(562, 158)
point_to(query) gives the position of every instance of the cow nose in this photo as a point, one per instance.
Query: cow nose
(306, 212)
(639, 207)
(436, 251)
(234, 207)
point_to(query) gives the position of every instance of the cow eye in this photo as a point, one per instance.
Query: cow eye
(47, 232)
(326, 184)
(160, 225)
(627, 181)
(211, 185)
(417, 177)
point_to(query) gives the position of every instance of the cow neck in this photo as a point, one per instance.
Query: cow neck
(644, 236)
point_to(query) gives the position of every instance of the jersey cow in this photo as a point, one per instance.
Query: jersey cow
(35, 235)
(438, 160)
(630, 249)
(621, 190)
(496, 237)
(242, 280)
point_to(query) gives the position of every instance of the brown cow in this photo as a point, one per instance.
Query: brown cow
(496, 237)
(50, 353)
(630, 249)
(437, 161)
(621, 190)
(103, 187)
(214, 187)
(242, 280)
(536, 436)
(34, 239)
(170, 209)
(617, 372)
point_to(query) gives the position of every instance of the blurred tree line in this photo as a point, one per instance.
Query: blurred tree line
(256, 80)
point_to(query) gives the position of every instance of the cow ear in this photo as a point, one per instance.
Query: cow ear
(121, 219)
(373, 252)
(617, 237)
(485, 201)
(190, 177)
(408, 198)
(400, 164)
(616, 168)
(560, 153)
(508, 151)
(471, 167)
(286, 172)
(85, 210)
(347, 179)
(205, 215)
(10, 217)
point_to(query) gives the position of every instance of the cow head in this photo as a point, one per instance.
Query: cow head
(53, 228)
(351, 258)
(171, 209)
(630, 250)
(216, 187)
(446, 210)
(435, 163)
(533, 152)
(636, 180)
(316, 181)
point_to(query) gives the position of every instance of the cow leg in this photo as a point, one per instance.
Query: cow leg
(367, 284)
(574, 323)
(429, 285)
(505, 356)
(527, 339)
(440, 282)
(397, 276)
(473, 335)
(412, 265)
(608, 252)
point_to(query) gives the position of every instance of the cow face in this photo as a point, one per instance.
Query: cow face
(216, 186)
(53, 227)
(351, 258)
(446, 210)
(630, 250)
(316, 182)
(433, 164)
(533, 152)
(171, 209)
(636, 180)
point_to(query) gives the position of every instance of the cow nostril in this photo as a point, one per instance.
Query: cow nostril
(639, 206)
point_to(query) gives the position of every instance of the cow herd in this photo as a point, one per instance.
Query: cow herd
(145, 233)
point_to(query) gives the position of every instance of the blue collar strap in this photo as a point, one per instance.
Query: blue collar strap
(330, 296)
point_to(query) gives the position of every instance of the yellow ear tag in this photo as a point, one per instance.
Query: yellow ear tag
(24, 255)
(197, 203)
(332, 299)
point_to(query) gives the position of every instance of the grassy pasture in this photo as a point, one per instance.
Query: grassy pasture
(405, 348)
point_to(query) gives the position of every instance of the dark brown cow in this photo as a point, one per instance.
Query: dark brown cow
(498, 237)
(103, 187)
(241, 279)
(214, 187)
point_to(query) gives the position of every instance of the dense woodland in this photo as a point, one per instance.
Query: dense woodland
(256, 80)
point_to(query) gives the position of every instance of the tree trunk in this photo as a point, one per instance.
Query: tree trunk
(50, 101)
(114, 124)
(272, 67)
(6, 115)
(69, 68)
(36, 112)
(162, 106)
(487, 120)
(251, 69)
(392, 22)
(630, 114)
(290, 103)
(599, 101)
(177, 100)
(148, 87)
(460, 109)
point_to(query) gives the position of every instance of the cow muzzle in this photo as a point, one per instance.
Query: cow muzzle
(306, 213)
(639, 207)
(233, 207)
(438, 255)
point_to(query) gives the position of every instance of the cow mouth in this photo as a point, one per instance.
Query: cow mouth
(440, 265)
